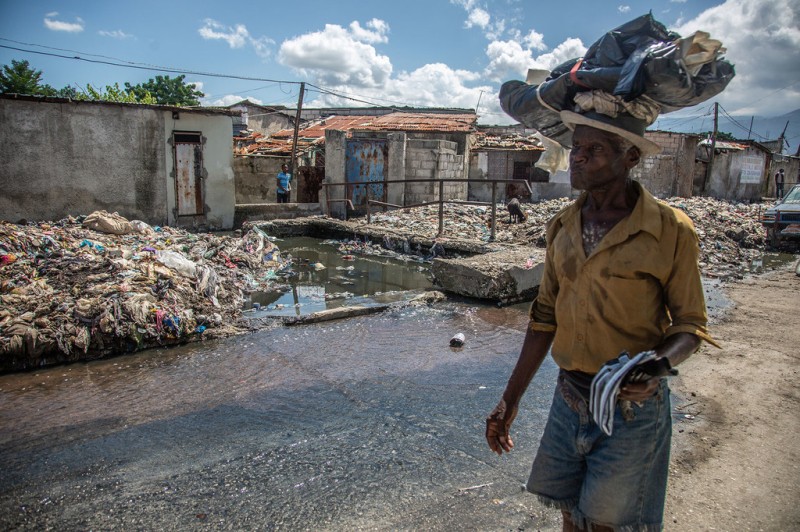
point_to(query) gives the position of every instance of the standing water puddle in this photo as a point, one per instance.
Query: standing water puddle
(324, 277)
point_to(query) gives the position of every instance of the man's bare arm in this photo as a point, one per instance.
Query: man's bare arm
(675, 348)
(498, 424)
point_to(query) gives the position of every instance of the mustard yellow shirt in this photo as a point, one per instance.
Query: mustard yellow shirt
(638, 286)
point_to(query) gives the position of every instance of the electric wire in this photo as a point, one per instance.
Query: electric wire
(151, 68)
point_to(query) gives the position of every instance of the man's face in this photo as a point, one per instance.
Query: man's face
(594, 161)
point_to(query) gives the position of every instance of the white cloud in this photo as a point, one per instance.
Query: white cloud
(477, 17)
(432, 85)
(624, 9)
(678, 1)
(115, 34)
(509, 60)
(58, 25)
(763, 42)
(339, 56)
(374, 33)
(534, 41)
(198, 85)
(237, 37)
(229, 99)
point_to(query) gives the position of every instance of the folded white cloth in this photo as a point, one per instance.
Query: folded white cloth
(605, 387)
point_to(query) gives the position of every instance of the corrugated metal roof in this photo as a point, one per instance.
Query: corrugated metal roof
(280, 143)
(454, 123)
(489, 142)
(724, 145)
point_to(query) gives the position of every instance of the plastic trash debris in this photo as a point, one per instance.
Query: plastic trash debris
(457, 340)
(177, 262)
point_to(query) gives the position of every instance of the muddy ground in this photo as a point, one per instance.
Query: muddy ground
(736, 462)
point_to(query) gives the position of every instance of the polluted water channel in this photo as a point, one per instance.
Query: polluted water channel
(324, 275)
(373, 422)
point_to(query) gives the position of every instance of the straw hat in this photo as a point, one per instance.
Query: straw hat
(624, 125)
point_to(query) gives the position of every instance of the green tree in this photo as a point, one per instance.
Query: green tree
(20, 78)
(114, 93)
(168, 91)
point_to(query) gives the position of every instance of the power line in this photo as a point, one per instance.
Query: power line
(148, 67)
(113, 61)
(734, 121)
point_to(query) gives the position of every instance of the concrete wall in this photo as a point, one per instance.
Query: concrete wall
(395, 193)
(791, 169)
(255, 178)
(219, 188)
(499, 164)
(726, 182)
(64, 158)
(335, 153)
(670, 173)
(262, 120)
(433, 159)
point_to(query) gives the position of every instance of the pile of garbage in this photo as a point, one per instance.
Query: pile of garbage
(731, 236)
(82, 288)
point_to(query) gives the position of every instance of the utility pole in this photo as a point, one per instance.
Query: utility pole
(713, 148)
(782, 138)
(296, 127)
(750, 131)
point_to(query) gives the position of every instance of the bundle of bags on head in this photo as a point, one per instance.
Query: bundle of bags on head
(639, 69)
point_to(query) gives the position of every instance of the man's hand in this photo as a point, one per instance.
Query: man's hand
(639, 391)
(498, 426)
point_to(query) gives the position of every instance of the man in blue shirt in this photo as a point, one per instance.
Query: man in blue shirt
(284, 187)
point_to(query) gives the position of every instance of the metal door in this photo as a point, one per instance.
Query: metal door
(366, 160)
(189, 174)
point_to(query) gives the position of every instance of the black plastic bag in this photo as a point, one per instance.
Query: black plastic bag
(638, 58)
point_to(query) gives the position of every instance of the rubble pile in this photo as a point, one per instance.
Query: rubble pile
(730, 233)
(69, 292)
(471, 222)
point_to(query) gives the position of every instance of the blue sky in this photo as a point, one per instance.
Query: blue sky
(403, 52)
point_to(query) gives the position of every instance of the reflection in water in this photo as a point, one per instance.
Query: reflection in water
(372, 422)
(354, 280)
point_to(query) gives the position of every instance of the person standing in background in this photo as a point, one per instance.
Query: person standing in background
(780, 179)
(284, 182)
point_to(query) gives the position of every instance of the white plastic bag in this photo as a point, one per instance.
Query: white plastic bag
(176, 261)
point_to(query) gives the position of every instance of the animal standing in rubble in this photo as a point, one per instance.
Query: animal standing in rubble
(515, 213)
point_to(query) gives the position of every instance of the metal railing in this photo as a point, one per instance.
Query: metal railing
(441, 201)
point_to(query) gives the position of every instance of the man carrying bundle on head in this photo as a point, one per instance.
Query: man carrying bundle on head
(621, 302)
(621, 274)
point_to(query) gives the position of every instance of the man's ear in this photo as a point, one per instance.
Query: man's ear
(633, 157)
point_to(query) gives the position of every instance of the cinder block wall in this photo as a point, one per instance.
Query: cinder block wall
(433, 159)
(255, 178)
(671, 172)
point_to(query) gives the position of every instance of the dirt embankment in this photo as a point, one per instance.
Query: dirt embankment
(736, 462)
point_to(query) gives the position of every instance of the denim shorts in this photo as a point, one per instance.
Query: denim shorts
(619, 481)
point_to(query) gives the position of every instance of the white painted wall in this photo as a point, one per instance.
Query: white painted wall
(219, 188)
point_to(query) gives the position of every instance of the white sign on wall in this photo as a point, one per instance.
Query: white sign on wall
(751, 170)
